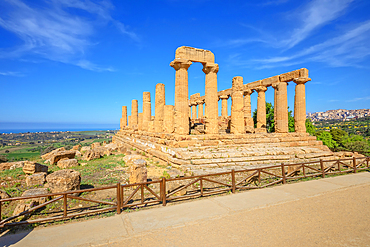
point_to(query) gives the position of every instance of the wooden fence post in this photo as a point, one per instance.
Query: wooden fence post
(65, 205)
(118, 198)
(164, 191)
(322, 168)
(233, 181)
(354, 165)
(283, 173)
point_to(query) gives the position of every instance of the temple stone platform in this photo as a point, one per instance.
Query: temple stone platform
(203, 154)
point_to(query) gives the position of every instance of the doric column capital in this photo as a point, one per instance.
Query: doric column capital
(261, 89)
(224, 96)
(193, 103)
(248, 92)
(275, 85)
(210, 67)
(180, 64)
(200, 102)
(301, 80)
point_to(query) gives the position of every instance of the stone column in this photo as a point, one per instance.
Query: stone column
(237, 106)
(200, 108)
(129, 121)
(181, 96)
(224, 99)
(193, 111)
(274, 86)
(281, 112)
(211, 69)
(123, 122)
(140, 121)
(261, 108)
(168, 120)
(147, 110)
(300, 104)
(134, 114)
(248, 120)
(159, 107)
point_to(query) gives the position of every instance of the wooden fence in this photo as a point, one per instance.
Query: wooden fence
(128, 196)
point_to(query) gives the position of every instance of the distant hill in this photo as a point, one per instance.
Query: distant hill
(339, 114)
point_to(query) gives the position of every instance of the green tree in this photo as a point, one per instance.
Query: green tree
(339, 136)
(326, 139)
(291, 121)
(310, 128)
(270, 122)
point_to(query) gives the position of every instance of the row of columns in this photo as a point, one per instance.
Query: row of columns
(169, 119)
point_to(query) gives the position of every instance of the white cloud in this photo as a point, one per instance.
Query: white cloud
(53, 32)
(315, 15)
(358, 99)
(11, 73)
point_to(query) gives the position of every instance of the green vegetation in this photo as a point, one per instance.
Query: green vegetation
(270, 122)
(29, 146)
(338, 139)
(359, 126)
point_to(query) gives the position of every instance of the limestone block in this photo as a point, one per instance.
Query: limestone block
(64, 180)
(11, 165)
(49, 155)
(24, 205)
(36, 179)
(138, 171)
(33, 167)
(95, 145)
(84, 149)
(289, 76)
(194, 54)
(4, 195)
(61, 155)
(269, 81)
(67, 163)
(77, 147)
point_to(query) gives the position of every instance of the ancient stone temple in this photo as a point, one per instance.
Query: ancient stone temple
(182, 133)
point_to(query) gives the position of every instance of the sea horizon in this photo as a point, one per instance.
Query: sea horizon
(15, 128)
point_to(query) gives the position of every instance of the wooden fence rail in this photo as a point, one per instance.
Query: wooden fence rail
(181, 188)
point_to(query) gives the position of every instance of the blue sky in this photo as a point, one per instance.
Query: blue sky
(69, 61)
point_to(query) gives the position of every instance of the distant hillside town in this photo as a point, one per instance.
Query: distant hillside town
(340, 114)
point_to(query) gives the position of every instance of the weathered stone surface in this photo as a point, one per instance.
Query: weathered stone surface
(300, 105)
(63, 180)
(261, 108)
(211, 97)
(95, 145)
(11, 165)
(96, 153)
(123, 121)
(129, 159)
(33, 167)
(3, 194)
(61, 155)
(36, 179)
(111, 146)
(181, 123)
(224, 99)
(147, 110)
(194, 54)
(67, 163)
(134, 114)
(140, 121)
(237, 107)
(281, 108)
(168, 120)
(49, 155)
(248, 120)
(77, 147)
(138, 171)
(160, 102)
(24, 205)
(84, 149)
